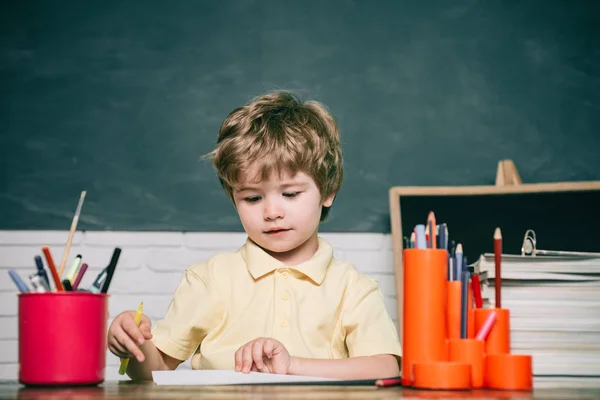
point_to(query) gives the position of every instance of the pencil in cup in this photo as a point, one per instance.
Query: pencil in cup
(137, 319)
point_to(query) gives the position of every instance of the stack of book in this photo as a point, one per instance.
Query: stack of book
(554, 303)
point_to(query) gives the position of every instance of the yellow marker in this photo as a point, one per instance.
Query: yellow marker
(74, 268)
(138, 319)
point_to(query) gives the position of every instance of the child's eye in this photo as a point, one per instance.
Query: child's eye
(291, 194)
(252, 199)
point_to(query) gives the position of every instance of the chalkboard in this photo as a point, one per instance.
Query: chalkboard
(122, 98)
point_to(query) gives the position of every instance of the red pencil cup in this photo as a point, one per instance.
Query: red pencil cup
(62, 338)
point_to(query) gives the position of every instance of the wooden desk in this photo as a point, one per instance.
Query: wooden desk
(123, 390)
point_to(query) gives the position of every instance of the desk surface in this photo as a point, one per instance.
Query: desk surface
(121, 390)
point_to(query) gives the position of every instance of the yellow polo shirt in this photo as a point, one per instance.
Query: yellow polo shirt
(322, 308)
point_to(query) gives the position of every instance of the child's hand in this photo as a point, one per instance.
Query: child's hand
(263, 355)
(125, 337)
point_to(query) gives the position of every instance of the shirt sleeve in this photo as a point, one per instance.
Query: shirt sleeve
(367, 324)
(191, 315)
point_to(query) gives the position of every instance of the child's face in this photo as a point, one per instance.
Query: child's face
(281, 214)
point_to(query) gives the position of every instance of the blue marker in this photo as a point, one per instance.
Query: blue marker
(18, 281)
(42, 272)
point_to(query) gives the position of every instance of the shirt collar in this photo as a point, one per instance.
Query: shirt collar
(260, 263)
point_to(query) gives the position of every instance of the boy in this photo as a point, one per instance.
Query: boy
(281, 303)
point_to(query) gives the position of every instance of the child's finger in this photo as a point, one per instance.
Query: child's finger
(130, 345)
(118, 350)
(257, 353)
(238, 359)
(268, 348)
(247, 358)
(131, 328)
(146, 328)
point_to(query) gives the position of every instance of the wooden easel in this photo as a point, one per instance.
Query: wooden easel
(507, 174)
(508, 181)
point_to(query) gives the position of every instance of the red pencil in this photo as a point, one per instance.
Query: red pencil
(476, 285)
(498, 265)
(388, 382)
(52, 267)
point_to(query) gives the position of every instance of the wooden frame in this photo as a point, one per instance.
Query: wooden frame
(397, 192)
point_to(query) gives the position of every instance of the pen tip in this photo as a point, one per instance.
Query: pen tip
(497, 234)
(459, 248)
(431, 216)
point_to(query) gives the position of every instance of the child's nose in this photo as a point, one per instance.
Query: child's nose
(273, 210)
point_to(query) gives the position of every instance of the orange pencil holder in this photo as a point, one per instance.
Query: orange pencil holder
(453, 310)
(470, 314)
(469, 351)
(453, 304)
(508, 372)
(442, 375)
(498, 340)
(424, 309)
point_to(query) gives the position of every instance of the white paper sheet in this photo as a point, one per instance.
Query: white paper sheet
(226, 377)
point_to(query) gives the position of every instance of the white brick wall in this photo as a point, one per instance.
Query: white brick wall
(150, 267)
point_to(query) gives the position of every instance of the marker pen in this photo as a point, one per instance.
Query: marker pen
(41, 271)
(37, 283)
(99, 281)
(23, 288)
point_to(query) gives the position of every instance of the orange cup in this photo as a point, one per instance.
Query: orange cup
(453, 309)
(424, 309)
(442, 375)
(508, 372)
(469, 351)
(498, 340)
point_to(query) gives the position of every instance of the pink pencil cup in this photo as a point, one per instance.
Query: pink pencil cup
(62, 338)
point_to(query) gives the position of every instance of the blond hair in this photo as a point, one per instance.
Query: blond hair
(278, 131)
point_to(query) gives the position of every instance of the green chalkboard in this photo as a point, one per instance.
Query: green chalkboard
(121, 98)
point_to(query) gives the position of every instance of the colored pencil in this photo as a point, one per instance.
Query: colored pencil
(464, 278)
(458, 262)
(443, 235)
(498, 266)
(431, 223)
(486, 327)
(477, 291)
(52, 268)
(388, 382)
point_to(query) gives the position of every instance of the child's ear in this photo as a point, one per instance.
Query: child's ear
(328, 201)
